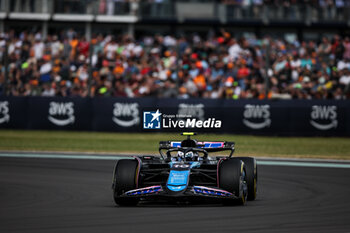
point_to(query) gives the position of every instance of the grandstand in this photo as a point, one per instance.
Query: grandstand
(234, 49)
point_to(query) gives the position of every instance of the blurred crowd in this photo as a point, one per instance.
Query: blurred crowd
(111, 7)
(322, 3)
(289, 9)
(217, 66)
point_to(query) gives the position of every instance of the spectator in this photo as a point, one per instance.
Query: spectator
(220, 66)
(346, 45)
(234, 49)
(48, 90)
(38, 47)
(324, 49)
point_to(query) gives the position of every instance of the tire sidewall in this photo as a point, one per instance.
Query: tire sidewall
(231, 179)
(125, 173)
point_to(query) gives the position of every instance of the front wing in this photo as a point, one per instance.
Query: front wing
(191, 191)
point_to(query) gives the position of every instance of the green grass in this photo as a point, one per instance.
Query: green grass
(305, 147)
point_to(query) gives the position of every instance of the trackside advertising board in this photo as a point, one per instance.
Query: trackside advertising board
(282, 117)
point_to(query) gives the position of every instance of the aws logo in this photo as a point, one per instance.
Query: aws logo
(257, 116)
(4, 112)
(126, 114)
(61, 113)
(324, 117)
(193, 110)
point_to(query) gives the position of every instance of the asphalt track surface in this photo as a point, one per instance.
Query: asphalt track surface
(70, 195)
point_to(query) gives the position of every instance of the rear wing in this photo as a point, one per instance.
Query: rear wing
(207, 145)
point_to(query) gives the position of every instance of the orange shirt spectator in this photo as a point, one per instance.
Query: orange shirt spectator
(199, 80)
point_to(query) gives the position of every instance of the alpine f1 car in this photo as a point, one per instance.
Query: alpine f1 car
(184, 172)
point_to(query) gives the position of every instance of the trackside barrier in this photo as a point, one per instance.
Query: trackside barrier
(280, 117)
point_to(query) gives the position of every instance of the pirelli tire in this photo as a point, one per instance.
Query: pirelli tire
(251, 175)
(232, 178)
(124, 179)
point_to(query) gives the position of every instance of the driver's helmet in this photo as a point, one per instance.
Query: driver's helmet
(180, 155)
(191, 156)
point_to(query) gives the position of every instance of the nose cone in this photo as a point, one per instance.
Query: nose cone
(178, 180)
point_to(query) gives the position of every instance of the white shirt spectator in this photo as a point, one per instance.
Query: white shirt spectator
(39, 50)
(55, 48)
(111, 50)
(169, 41)
(18, 44)
(345, 79)
(343, 65)
(45, 68)
(295, 63)
(148, 41)
(302, 51)
(83, 73)
(137, 50)
(295, 75)
(11, 48)
(128, 49)
(14, 47)
(163, 74)
(234, 51)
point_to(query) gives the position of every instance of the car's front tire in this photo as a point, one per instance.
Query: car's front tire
(232, 178)
(124, 179)
(252, 176)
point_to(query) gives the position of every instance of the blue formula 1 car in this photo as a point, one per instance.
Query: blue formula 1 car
(186, 172)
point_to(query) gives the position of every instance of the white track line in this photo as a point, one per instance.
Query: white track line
(264, 161)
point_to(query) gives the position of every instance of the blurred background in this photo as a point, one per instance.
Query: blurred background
(209, 59)
(257, 49)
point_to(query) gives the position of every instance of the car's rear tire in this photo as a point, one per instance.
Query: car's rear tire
(125, 173)
(232, 179)
(251, 175)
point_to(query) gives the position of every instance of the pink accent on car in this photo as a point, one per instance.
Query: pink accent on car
(213, 189)
(141, 189)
